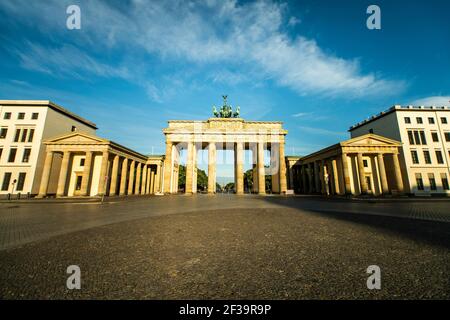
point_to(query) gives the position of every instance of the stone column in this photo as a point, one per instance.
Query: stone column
(347, 186)
(152, 182)
(137, 188)
(398, 173)
(304, 179)
(114, 174)
(123, 177)
(323, 187)
(274, 164)
(103, 174)
(255, 168)
(212, 155)
(63, 174)
(149, 173)
(316, 177)
(157, 183)
(168, 168)
(291, 176)
(46, 174)
(362, 179)
(261, 169)
(337, 187)
(84, 190)
(313, 175)
(144, 179)
(383, 177)
(189, 167)
(239, 168)
(283, 183)
(131, 179)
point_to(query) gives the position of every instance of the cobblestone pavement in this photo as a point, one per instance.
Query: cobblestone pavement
(22, 223)
(269, 251)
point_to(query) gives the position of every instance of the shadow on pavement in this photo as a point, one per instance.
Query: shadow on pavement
(432, 232)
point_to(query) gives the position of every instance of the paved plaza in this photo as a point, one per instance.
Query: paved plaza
(225, 246)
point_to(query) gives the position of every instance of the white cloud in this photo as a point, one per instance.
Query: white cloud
(432, 101)
(248, 35)
(300, 114)
(293, 21)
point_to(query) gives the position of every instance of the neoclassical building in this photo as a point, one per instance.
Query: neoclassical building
(231, 134)
(368, 164)
(78, 164)
(45, 150)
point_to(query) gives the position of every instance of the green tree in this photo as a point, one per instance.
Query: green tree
(248, 180)
(229, 186)
(202, 178)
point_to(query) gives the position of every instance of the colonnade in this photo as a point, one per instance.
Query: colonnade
(277, 167)
(348, 173)
(116, 174)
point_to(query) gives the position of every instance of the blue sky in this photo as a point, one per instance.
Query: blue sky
(312, 64)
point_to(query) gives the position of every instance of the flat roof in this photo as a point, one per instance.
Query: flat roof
(398, 108)
(50, 104)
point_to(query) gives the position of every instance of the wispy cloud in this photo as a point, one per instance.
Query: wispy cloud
(432, 101)
(321, 131)
(301, 114)
(66, 60)
(203, 33)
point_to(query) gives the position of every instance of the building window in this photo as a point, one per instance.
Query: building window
(17, 136)
(432, 181)
(435, 137)
(439, 157)
(431, 120)
(31, 135)
(12, 155)
(407, 120)
(24, 135)
(370, 130)
(26, 155)
(414, 156)
(1, 152)
(6, 180)
(74, 128)
(427, 157)
(419, 120)
(82, 161)
(447, 136)
(422, 137)
(365, 164)
(3, 133)
(444, 120)
(417, 137)
(21, 181)
(21, 115)
(410, 137)
(35, 115)
(444, 179)
(419, 181)
(7, 115)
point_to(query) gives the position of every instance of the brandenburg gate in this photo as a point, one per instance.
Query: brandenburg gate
(229, 132)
